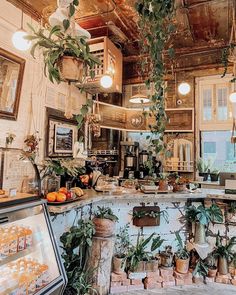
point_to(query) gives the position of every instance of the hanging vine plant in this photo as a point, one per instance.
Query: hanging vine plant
(156, 27)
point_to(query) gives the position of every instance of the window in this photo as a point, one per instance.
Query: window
(222, 105)
(207, 104)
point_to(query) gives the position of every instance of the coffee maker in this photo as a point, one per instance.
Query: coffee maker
(129, 158)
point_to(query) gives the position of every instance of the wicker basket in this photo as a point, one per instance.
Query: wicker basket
(71, 69)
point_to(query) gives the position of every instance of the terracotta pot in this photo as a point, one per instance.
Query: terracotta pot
(118, 265)
(200, 233)
(151, 265)
(104, 227)
(223, 267)
(166, 259)
(179, 187)
(198, 280)
(71, 68)
(182, 265)
(212, 272)
(140, 267)
(163, 185)
(146, 221)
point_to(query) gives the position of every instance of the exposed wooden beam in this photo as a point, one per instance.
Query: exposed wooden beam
(27, 9)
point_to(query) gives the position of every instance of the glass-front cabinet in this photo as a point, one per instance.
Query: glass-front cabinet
(29, 257)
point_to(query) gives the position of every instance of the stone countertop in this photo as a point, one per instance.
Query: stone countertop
(92, 197)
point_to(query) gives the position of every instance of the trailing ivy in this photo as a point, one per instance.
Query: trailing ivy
(155, 26)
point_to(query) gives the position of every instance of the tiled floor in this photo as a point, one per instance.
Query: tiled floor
(209, 289)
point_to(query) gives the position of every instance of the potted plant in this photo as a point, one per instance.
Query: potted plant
(148, 216)
(122, 245)
(179, 183)
(66, 55)
(202, 168)
(224, 253)
(181, 256)
(212, 265)
(201, 216)
(104, 222)
(163, 181)
(214, 174)
(167, 257)
(78, 238)
(138, 256)
(200, 272)
(231, 212)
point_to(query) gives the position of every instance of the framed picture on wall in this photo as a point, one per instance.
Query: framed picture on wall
(63, 138)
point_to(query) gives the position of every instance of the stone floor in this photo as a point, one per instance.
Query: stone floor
(209, 289)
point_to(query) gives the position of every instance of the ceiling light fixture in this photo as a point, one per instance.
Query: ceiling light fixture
(139, 98)
(18, 39)
(106, 81)
(184, 88)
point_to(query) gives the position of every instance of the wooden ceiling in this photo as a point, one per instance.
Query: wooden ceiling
(201, 24)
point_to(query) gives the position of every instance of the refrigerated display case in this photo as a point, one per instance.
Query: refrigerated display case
(29, 258)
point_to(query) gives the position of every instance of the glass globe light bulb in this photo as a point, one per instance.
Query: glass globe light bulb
(184, 88)
(232, 97)
(19, 41)
(106, 81)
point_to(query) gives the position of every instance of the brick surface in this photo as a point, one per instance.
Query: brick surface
(198, 281)
(210, 280)
(188, 281)
(118, 278)
(115, 284)
(153, 274)
(137, 275)
(120, 289)
(181, 276)
(167, 272)
(233, 282)
(168, 284)
(179, 282)
(159, 279)
(152, 286)
(135, 287)
(136, 282)
(125, 282)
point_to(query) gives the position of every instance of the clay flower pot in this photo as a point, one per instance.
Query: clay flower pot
(166, 259)
(151, 266)
(223, 267)
(71, 68)
(200, 233)
(118, 264)
(182, 265)
(212, 272)
(163, 185)
(104, 227)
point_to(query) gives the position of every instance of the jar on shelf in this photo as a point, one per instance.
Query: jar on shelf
(51, 183)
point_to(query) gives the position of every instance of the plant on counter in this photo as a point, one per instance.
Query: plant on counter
(163, 181)
(200, 272)
(138, 256)
(202, 167)
(155, 16)
(181, 256)
(104, 222)
(79, 238)
(202, 216)
(224, 253)
(214, 174)
(122, 246)
(178, 182)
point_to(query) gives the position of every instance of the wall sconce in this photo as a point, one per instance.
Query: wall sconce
(184, 88)
(106, 81)
(18, 39)
(139, 98)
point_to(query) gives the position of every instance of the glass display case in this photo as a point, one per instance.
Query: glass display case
(29, 257)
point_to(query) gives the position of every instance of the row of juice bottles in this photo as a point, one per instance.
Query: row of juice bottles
(23, 277)
(14, 239)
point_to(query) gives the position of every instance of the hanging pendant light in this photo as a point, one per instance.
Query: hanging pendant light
(18, 39)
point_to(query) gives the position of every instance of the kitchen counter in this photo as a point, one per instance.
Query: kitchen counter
(92, 197)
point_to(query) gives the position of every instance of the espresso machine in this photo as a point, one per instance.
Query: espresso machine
(129, 158)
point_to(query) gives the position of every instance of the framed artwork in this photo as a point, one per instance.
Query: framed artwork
(63, 138)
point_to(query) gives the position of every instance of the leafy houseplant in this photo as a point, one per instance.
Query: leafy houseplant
(200, 272)
(155, 16)
(224, 253)
(167, 257)
(203, 168)
(104, 222)
(80, 238)
(122, 245)
(211, 264)
(181, 256)
(201, 216)
(148, 218)
(138, 256)
(214, 174)
(179, 183)
(163, 181)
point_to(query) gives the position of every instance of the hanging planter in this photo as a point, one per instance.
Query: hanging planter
(71, 68)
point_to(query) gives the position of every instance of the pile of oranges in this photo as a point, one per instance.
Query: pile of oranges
(61, 196)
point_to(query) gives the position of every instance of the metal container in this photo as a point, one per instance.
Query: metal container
(143, 157)
(130, 161)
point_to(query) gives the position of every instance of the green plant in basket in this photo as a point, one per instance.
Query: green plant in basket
(105, 213)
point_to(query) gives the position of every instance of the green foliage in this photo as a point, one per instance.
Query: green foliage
(122, 244)
(78, 238)
(155, 28)
(202, 166)
(80, 118)
(105, 212)
(138, 253)
(63, 166)
(204, 215)
(164, 176)
(224, 251)
(182, 252)
(232, 207)
(141, 214)
(201, 269)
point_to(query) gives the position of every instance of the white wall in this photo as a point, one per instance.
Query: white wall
(35, 85)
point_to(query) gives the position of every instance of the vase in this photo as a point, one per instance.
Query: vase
(200, 234)
(118, 264)
(223, 267)
(71, 68)
(182, 265)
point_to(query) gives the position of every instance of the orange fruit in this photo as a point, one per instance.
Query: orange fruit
(51, 197)
(61, 197)
(63, 190)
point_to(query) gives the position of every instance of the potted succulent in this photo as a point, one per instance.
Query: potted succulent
(200, 272)
(167, 257)
(181, 256)
(224, 253)
(203, 168)
(104, 222)
(201, 216)
(122, 245)
(214, 174)
(211, 263)
(163, 181)
(66, 55)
